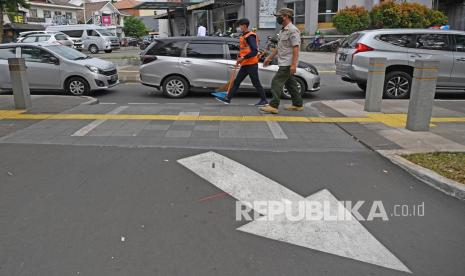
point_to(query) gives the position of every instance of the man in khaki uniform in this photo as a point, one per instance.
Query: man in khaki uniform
(288, 56)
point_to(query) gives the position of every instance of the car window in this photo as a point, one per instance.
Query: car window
(73, 33)
(92, 33)
(43, 38)
(402, 40)
(432, 42)
(206, 51)
(60, 37)
(233, 50)
(33, 54)
(66, 52)
(460, 43)
(167, 48)
(30, 39)
(6, 53)
(351, 40)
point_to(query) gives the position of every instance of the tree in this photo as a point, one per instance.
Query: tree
(134, 27)
(9, 6)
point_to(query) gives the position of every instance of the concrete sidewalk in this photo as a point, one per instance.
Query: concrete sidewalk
(443, 136)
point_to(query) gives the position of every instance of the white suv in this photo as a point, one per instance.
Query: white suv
(401, 47)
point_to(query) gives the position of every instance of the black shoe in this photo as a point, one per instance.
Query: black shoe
(223, 100)
(262, 103)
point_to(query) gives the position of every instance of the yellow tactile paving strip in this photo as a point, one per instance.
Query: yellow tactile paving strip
(393, 120)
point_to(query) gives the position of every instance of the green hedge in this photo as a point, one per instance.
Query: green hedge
(388, 15)
(352, 19)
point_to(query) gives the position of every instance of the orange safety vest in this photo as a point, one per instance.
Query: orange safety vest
(245, 49)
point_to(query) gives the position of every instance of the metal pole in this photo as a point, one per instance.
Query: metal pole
(19, 83)
(420, 108)
(169, 23)
(375, 84)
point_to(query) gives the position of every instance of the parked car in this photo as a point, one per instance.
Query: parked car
(177, 64)
(401, 47)
(49, 37)
(93, 37)
(51, 66)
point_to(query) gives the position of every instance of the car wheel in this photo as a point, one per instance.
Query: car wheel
(93, 49)
(175, 87)
(397, 85)
(362, 85)
(77, 86)
(300, 85)
(108, 51)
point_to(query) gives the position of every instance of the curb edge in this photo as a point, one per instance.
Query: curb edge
(90, 100)
(433, 179)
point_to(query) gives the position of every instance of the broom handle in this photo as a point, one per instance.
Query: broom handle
(231, 78)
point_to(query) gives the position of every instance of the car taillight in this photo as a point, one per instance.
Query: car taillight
(360, 48)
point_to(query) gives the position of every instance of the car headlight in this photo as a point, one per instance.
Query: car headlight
(312, 70)
(93, 69)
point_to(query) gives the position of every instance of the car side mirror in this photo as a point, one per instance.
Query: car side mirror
(54, 60)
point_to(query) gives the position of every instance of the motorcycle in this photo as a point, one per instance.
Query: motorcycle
(324, 47)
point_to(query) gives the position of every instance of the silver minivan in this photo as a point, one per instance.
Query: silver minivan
(94, 38)
(401, 47)
(178, 65)
(52, 66)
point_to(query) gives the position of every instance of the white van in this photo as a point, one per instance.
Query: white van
(94, 38)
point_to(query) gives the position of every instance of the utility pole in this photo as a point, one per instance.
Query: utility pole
(84, 7)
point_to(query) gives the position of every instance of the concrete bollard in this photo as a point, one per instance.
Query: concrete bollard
(420, 108)
(375, 84)
(19, 82)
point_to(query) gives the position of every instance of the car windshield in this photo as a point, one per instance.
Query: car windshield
(104, 32)
(66, 52)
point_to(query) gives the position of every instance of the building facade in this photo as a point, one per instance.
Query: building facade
(52, 12)
(218, 16)
(105, 14)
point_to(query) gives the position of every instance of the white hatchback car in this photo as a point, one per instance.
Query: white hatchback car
(51, 66)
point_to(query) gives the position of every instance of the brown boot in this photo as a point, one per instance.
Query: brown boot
(294, 108)
(269, 109)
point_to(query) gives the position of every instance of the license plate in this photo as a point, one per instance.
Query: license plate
(342, 57)
(114, 78)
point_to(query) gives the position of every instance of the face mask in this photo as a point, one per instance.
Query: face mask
(279, 20)
(239, 30)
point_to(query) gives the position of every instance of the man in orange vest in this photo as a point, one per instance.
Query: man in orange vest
(248, 59)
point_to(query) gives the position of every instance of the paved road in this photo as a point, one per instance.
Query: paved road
(65, 210)
(98, 197)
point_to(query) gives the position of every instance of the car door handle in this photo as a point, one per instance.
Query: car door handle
(461, 59)
(186, 62)
(416, 55)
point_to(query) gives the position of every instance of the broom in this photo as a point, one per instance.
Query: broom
(223, 91)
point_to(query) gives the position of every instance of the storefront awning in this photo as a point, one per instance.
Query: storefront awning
(24, 27)
(161, 5)
(213, 4)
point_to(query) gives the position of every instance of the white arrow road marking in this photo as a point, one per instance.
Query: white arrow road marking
(346, 238)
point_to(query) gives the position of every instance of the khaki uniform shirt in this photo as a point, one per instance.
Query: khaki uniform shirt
(289, 37)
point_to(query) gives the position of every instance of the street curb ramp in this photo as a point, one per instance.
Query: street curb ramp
(435, 180)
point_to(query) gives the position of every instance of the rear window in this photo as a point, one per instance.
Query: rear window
(205, 51)
(73, 33)
(351, 40)
(6, 53)
(401, 40)
(438, 42)
(166, 48)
